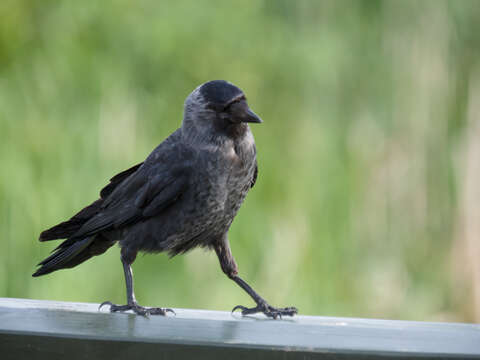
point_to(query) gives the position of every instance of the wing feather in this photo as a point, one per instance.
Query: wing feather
(141, 193)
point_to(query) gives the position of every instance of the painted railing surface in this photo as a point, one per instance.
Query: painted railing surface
(34, 329)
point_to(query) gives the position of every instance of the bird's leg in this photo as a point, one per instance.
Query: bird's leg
(229, 267)
(127, 258)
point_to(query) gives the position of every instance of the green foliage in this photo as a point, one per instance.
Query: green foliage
(363, 194)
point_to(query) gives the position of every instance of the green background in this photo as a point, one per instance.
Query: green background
(366, 203)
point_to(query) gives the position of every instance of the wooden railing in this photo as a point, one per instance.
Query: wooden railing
(32, 329)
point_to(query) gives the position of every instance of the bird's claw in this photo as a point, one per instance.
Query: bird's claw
(268, 310)
(137, 309)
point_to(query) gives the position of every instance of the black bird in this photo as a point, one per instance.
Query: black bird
(185, 194)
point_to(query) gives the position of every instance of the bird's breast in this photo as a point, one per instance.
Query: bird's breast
(240, 175)
(218, 187)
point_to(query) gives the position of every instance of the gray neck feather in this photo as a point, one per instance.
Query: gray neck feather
(197, 125)
(199, 131)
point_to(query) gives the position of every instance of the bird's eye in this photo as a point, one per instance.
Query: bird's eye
(235, 101)
(227, 107)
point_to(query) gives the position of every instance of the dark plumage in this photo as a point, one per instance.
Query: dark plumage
(184, 195)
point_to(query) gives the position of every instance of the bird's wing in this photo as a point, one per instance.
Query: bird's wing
(255, 172)
(255, 175)
(139, 198)
(117, 179)
(67, 228)
(145, 193)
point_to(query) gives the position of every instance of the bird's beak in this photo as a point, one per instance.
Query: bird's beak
(252, 117)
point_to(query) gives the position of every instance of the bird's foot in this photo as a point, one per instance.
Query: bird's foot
(268, 310)
(137, 309)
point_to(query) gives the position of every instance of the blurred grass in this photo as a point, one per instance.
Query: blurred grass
(366, 203)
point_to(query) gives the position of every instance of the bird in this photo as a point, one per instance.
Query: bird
(183, 196)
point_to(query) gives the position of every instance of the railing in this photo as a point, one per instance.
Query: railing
(32, 329)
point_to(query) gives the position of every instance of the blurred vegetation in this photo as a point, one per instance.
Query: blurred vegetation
(367, 202)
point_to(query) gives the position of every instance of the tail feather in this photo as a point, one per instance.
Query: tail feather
(61, 257)
(68, 228)
(70, 254)
(75, 250)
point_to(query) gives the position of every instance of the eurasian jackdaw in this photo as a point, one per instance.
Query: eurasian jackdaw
(185, 194)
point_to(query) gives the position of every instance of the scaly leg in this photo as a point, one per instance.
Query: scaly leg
(229, 267)
(127, 259)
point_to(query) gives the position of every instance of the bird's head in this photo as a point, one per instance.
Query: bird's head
(218, 107)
